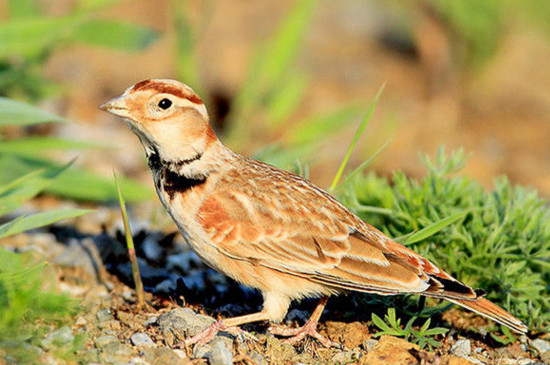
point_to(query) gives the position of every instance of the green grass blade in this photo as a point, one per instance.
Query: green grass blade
(356, 137)
(130, 245)
(37, 145)
(40, 220)
(22, 114)
(365, 163)
(317, 127)
(73, 183)
(15, 193)
(435, 227)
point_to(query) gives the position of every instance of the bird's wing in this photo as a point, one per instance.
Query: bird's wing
(281, 221)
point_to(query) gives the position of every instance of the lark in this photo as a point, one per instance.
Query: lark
(268, 228)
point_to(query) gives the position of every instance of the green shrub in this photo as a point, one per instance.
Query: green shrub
(502, 243)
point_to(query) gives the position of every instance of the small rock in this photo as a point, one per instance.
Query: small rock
(138, 361)
(455, 360)
(257, 358)
(369, 344)
(390, 350)
(103, 315)
(180, 353)
(102, 341)
(166, 286)
(128, 295)
(163, 356)
(152, 249)
(540, 345)
(81, 321)
(151, 321)
(142, 339)
(116, 353)
(545, 358)
(173, 324)
(220, 354)
(350, 335)
(82, 253)
(62, 337)
(461, 348)
(345, 357)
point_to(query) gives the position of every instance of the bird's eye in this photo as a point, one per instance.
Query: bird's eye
(165, 104)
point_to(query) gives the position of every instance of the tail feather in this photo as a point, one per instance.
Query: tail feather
(492, 311)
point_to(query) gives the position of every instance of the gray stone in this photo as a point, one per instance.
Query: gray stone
(166, 286)
(152, 249)
(151, 321)
(142, 339)
(63, 337)
(345, 357)
(461, 348)
(220, 354)
(103, 315)
(163, 356)
(540, 345)
(138, 361)
(257, 358)
(102, 341)
(82, 253)
(369, 344)
(182, 320)
(116, 353)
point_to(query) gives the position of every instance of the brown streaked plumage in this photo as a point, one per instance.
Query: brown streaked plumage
(268, 228)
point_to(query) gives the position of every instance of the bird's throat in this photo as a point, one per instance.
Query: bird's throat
(168, 174)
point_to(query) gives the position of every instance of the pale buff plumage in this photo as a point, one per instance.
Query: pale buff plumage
(268, 228)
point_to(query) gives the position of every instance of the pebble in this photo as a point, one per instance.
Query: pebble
(103, 315)
(369, 344)
(138, 361)
(142, 339)
(81, 253)
(116, 353)
(152, 249)
(165, 287)
(540, 345)
(63, 337)
(345, 357)
(102, 341)
(163, 356)
(461, 348)
(151, 321)
(220, 354)
(257, 358)
(181, 320)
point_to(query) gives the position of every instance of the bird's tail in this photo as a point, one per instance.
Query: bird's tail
(492, 311)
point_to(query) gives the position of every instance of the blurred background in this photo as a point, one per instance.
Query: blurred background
(289, 81)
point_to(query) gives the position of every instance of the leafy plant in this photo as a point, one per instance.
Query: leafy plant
(23, 156)
(29, 37)
(29, 307)
(391, 325)
(496, 240)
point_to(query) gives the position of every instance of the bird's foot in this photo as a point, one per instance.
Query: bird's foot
(298, 334)
(208, 334)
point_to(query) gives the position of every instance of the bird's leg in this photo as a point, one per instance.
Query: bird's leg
(225, 325)
(310, 328)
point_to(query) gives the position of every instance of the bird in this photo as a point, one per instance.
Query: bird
(268, 228)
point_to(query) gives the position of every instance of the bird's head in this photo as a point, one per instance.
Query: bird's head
(167, 116)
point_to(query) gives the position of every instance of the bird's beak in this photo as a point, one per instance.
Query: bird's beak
(116, 106)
